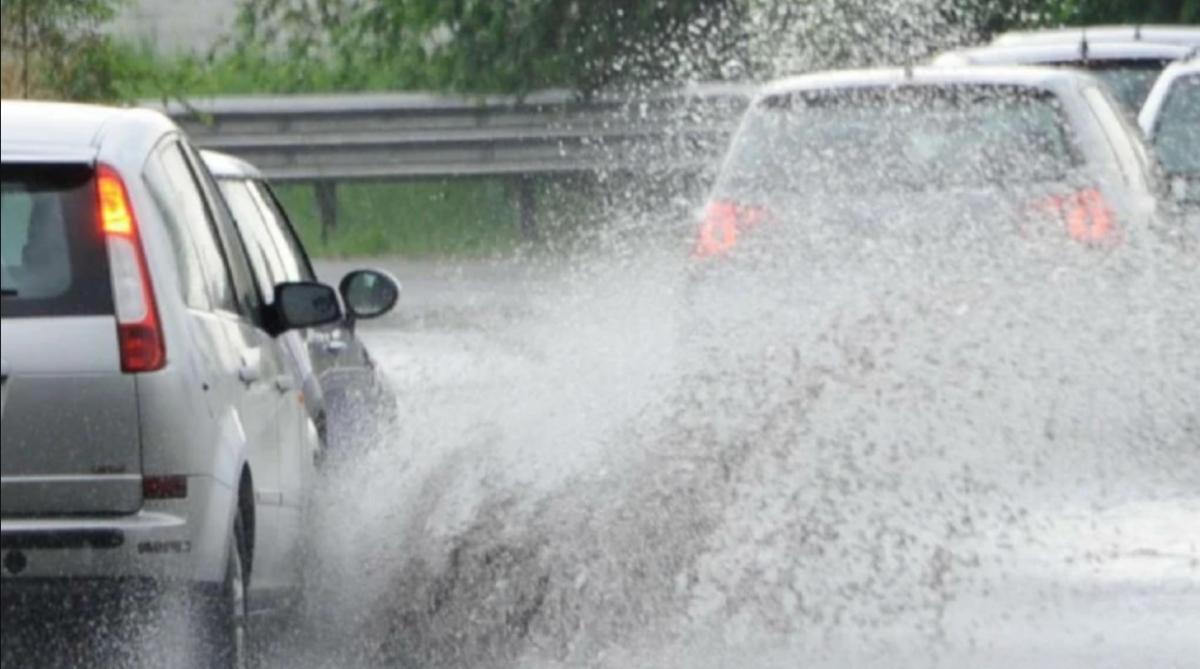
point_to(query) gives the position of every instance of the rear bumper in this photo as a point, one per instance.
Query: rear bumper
(178, 541)
(60, 600)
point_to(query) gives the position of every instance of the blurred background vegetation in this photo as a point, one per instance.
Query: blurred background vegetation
(66, 50)
(61, 48)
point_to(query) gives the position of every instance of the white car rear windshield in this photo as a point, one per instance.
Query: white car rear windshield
(52, 253)
(909, 138)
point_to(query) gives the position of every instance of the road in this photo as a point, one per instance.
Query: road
(549, 504)
(568, 492)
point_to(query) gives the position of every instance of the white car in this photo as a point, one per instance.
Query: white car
(155, 436)
(1171, 121)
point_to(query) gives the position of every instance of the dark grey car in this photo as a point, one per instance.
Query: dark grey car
(346, 392)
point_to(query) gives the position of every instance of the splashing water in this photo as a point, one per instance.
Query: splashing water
(872, 462)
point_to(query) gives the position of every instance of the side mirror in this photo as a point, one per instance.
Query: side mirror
(305, 305)
(369, 294)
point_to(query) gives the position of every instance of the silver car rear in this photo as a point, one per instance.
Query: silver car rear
(70, 442)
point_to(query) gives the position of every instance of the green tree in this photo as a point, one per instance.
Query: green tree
(1084, 12)
(506, 45)
(57, 48)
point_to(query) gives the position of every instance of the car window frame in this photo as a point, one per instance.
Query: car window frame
(250, 231)
(249, 292)
(287, 228)
(89, 292)
(234, 307)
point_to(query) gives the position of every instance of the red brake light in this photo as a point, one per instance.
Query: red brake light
(1086, 214)
(138, 328)
(723, 224)
(165, 487)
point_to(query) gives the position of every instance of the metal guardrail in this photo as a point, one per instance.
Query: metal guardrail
(328, 140)
(410, 136)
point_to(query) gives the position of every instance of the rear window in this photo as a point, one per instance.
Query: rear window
(1179, 127)
(54, 259)
(906, 138)
(1130, 81)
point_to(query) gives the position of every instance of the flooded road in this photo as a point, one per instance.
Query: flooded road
(571, 489)
(563, 494)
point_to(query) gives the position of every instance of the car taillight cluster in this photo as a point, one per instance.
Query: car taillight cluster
(1086, 215)
(139, 329)
(723, 224)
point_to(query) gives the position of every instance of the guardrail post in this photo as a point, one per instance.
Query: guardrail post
(527, 208)
(327, 207)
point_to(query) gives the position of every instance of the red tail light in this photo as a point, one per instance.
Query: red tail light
(139, 330)
(1087, 216)
(723, 224)
(165, 487)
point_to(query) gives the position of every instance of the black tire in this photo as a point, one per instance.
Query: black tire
(226, 616)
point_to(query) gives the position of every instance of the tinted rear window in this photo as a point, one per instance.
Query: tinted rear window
(909, 138)
(1179, 127)
(54, 256)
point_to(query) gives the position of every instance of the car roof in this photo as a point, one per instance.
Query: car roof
(225, 166)
(1108, 33)
(1066, 51)
(1032, 77)
(60, 131)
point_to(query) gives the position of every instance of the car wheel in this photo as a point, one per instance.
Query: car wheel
(227, 616)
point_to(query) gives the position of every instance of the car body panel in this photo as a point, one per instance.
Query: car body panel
(70, 440)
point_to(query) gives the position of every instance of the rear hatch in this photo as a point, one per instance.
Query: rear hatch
(70, 442)
(918, 162)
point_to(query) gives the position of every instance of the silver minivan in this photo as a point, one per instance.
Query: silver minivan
(155, 437)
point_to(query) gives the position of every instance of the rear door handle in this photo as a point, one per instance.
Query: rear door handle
(3, 370)
(251, 369)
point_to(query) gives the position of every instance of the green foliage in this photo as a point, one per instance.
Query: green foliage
(1084, 12)
(421, 219)
(57, 48)
(511, 46)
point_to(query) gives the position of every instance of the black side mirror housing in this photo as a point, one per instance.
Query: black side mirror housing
(299, 306)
